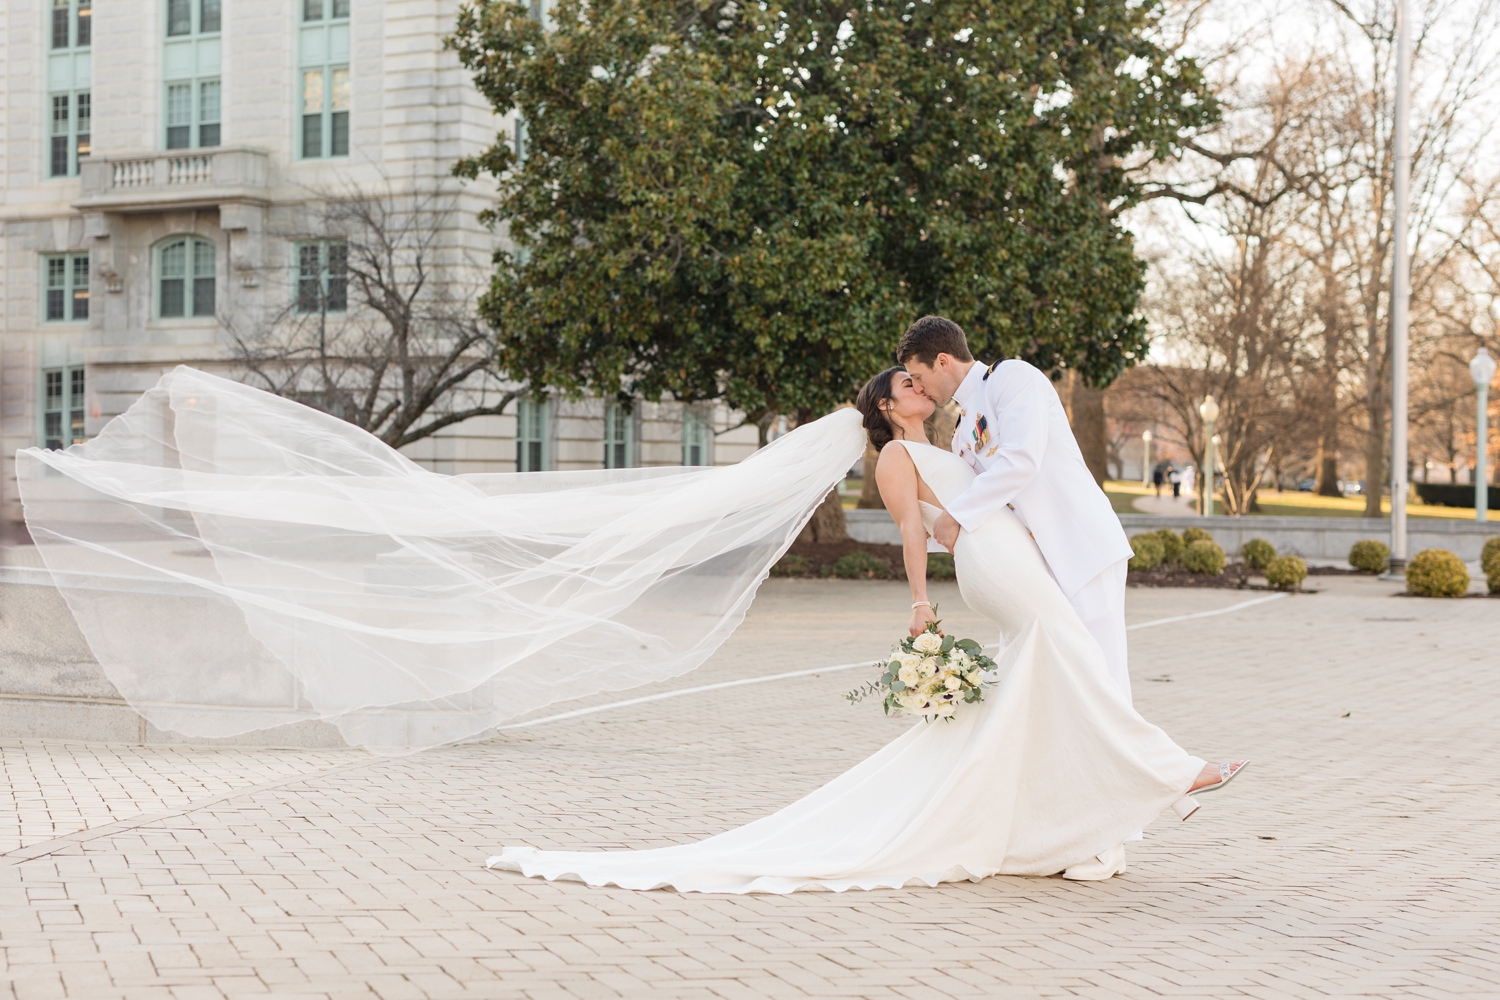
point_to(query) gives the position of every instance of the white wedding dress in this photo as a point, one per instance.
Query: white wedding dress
(1051, 769)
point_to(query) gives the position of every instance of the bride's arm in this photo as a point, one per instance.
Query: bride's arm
(896, 475)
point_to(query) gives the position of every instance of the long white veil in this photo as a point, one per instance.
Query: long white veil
(238, 561)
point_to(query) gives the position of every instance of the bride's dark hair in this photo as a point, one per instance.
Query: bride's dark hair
(873, 393)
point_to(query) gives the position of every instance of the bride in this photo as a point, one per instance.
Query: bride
(241, 563)
(1050, 773)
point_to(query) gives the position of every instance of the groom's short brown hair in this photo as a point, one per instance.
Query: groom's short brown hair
(930, 336)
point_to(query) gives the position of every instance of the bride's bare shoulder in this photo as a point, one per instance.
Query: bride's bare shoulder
(895, 453)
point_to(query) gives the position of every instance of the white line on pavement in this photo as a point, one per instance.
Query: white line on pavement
(819, 670)
(1205, 614)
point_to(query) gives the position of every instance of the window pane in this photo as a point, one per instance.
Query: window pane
(339, 102)
(80, 290)
(53, 431)
(308, 273)
(179, 17)
(57, 272)
(208, 101)
(60, 24)
(179, 115)
(179, 104)
(75, 379)
(312, 92)
(59, 156)
(174, 260)
(338, 277)
(85, 123)
(340, 8)
(173, 271)
(85, 22)
(56, 298)
(54, 391)
(171, 297)
(312, 135)
(209, 15)
(60, 114)
(203, 297)
(203, 259)
(208, 113)
(203, 278)
(75, 428)
(341, 88)
(312, 10)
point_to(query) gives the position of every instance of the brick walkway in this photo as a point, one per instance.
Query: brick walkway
(1357, 857)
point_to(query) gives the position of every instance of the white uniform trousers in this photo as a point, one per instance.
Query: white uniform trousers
(1101, 605)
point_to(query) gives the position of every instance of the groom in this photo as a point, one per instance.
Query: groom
(1013, 432)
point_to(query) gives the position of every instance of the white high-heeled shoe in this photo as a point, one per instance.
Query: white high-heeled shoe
(1187, 805)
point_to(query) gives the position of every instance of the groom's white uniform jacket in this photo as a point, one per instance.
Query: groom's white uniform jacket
(1014, 432)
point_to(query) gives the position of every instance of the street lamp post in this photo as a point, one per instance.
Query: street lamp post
(1482, 368)
(1209, 411)
(1400, 292)
(1146, 457)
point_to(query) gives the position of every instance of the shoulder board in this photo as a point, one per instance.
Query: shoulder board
(988, 370)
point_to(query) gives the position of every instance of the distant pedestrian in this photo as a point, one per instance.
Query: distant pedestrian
(1175, 478)
(1189, 479)
(1158, 475)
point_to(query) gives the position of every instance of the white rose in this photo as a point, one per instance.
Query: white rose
(952, 683)
(947, 711)
(929, 666)
(927, 642)
(909, 676)
(973, 678)
(910, 659)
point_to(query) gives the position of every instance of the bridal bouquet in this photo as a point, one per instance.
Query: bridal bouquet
(929, 675)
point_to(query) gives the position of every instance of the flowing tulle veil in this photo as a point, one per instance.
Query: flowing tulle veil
(237, 561)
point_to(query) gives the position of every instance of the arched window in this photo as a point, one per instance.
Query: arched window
(184, 277)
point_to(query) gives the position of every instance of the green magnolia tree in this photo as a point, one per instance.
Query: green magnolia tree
(750, 201)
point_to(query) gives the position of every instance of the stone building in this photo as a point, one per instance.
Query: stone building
(162, 162)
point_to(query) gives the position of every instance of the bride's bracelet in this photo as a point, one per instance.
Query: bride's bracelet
(920, 604)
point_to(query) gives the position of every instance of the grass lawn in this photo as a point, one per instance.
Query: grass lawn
(1287, 503)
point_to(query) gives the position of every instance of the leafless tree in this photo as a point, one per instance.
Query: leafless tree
(379, 327)
(1315, 135)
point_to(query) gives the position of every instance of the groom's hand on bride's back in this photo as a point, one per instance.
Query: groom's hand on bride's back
(945, 531)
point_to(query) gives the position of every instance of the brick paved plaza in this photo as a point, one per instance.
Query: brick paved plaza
(1359, 856)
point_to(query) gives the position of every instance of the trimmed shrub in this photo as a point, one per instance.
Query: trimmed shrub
(1191, 535)
(1492, 576)
(1171, 546)
(940, 566)
(1148, 551)
(1436, 573)
(859, 566)
(1490, 553)
(1257, 553)
(1286, 572)
(1369, 556)
(790, 565)
(1204, 556)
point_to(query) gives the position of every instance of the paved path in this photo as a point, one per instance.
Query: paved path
(1357, 857)
(1166, 505)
